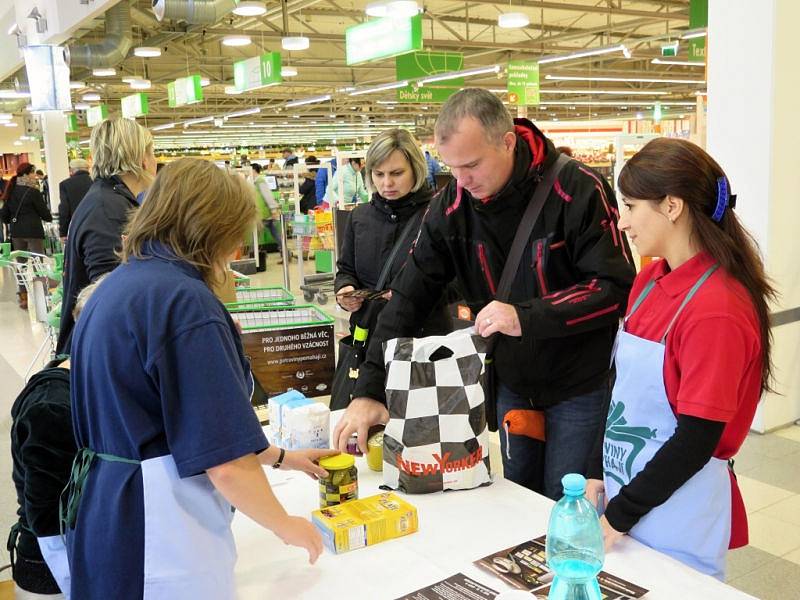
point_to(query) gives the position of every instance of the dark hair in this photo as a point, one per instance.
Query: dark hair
(565, 150)
(674, 167)
(23, 169)
(312, 160)
(356, 160)
(256, 167)
(39, 172)
(289, 150)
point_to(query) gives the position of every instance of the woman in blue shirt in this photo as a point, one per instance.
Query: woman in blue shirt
(161, 408)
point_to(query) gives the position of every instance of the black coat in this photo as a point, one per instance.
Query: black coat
(28, 205)
(569, 291)
(71, 191)
(308, 195)
(94, 239)
(369, 238)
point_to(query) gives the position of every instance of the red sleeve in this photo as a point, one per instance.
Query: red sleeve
(712, 357)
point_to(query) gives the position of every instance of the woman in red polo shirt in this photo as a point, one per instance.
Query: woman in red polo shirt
(692, 359)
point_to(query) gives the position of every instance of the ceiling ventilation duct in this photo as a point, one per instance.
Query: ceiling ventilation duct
(114, 47)
(194, 12)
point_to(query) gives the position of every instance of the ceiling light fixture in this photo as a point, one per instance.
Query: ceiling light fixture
(457, 74)
(205, 81)
(617, 92)
(401, 9)
(682, 63)
(162, 127)
(6, 116)
(513, 20)
(250, 8)
(583, 54)
(377, 9)
(198, 120)
(312, 100)
(104, 72)
(288, 72)
(141, 84)
(13, 95)
(77, 85)
(380, 88)
(572, 103)
(147, 51)
(295, 43)
(236, 40)
(624, 79)
(81, 106)
(694, 33)
(91, 97)
(243, 113)
(11, 124)
(231, 90)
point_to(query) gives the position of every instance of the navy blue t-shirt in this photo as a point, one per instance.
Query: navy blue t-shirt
(157, 368)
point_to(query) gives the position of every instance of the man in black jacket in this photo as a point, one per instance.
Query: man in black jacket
(71, 191)
(570, 289)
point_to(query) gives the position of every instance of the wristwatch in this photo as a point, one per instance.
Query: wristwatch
(279, 462)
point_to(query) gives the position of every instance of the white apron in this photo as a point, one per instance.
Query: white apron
(694, 524)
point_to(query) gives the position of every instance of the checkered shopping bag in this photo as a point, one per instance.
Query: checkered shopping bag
(436, 438)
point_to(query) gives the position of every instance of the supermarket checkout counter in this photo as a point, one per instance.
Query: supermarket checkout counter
(455, 529)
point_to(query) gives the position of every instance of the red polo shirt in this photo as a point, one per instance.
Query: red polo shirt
(712, 362)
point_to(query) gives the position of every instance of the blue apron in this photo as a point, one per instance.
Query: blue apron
(694, 524)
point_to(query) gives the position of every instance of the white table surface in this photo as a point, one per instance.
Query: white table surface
(455, 528)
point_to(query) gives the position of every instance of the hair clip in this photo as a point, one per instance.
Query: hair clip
(723, 198)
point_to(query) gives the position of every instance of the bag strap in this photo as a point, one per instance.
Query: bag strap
(532, 212)
(21, 202)
(393, 255)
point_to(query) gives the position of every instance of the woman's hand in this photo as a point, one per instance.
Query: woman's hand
(348, 303)
(306, 461)
(610, 535)
(297, 531)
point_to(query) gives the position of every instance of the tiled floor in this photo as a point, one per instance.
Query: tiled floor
(768, 466)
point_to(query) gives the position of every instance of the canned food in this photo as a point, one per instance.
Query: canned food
(341, 484)
(375, 452)
(352, 446)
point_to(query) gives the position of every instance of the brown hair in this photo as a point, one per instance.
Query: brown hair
(23, 169)
(674, 167)
(196, 209)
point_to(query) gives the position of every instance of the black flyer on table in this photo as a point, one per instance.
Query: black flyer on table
(455, 587)
(525, 567)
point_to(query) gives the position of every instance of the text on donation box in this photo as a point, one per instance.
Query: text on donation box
(300, 358)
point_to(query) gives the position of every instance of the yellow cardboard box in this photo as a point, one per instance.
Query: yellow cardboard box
(365, 522)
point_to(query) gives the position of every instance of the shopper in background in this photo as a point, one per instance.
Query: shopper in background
(161, 389)
(321, 181)
(565, 150)
(352, 184)
(434, 168)
(42, 450)
(71, 191)
(124, 166)
(289, 159)
(398, 173)
(308, 189)
(268, 208)
(554, 336)
(24, 209)
(44, 185)
(692, 361)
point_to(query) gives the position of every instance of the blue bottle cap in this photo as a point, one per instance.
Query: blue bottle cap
(574, 484)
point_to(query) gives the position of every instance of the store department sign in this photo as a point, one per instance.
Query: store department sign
(698, 18)
(383, 38)
(257, 72)
(135, 105)
(72, 123)
(523, 83)
(185, 90)
(425, 64)
(96, 114)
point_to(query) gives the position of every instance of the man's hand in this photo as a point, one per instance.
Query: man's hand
(497, 317)
(348, 303)
(610, 535)
(306, 461)
(595, 489)
(362, 414)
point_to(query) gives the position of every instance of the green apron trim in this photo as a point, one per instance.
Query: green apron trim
(77, 480)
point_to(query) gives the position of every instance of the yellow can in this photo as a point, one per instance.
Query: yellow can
(375, 452)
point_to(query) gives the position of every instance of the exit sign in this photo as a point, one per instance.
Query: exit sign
(670, 49)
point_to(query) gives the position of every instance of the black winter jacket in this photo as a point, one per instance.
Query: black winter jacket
(42, 450)
(71, 191)
(570, 289)
(369, 237)
(94, 239)
(28, 204)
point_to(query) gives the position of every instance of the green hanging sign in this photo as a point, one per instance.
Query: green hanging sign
(383, 38)
(72, 123)
(185, 90)
(96, 114)
(257, 72)
(424, 64)
(523, 83)
(698, 18)
(135, 105)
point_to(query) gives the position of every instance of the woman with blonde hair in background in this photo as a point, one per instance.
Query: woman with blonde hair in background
(168, 440)
(124, 167)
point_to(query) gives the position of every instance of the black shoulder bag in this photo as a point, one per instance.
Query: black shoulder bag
(353, 351)
(521, 238)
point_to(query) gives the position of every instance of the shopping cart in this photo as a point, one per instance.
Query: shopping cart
(262, 296)
(37, 273)
(314, 231)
